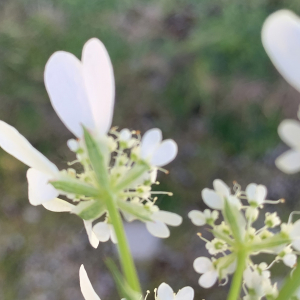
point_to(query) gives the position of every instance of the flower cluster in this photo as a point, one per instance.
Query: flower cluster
(119, 164)
(163, 292)
(236, 233)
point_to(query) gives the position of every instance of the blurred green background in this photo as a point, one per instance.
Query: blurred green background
(194, 68)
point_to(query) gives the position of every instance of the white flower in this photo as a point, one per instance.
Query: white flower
(155, 151)
(216, 246)
(256, 280)
(256, 194)
(86, 287)
(290, 260)
(41, 169)
(205, 266)
(199, 218)
(160, 219)
(281, 40)
(272, 220)
(289, 161)
(105, 231)
(165, 292)
(215, 198)
(82, 92)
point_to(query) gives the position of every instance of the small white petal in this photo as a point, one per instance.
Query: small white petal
(18, 146)
(281, 40)
(73, 145)
(158, 229)
(165, 292)
(67, 91)
(91, 235)
(202, 265)
(167, 217)
(165, 153)
(39, 188)
(86, 287)
(208, 279)
(186, 293)
(197, 217)
(150, 141)
(212, 199)
(102, 231)
(221, 188)
(290, 260)
(100, 83)
(113, 236)
(289, 132)
(58, 205)
(125, 134)
(289, 162)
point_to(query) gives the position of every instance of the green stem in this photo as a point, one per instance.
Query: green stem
(124, 252)
(237, 280)
(291, 285)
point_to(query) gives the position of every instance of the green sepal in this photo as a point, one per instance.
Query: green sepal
(235, 220)
(132, 176)
(136, 210)
(270, 243)
(97, 158)
(90, 210)
(76, 187)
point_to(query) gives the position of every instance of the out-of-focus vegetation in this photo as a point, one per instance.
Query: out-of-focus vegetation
(194, 68)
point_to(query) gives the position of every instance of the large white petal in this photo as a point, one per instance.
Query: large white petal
(197, 217)
(186, 293)
(212, 199)
(261, 193)
(251, 191)
(58, 205)
(113, 236)
(281, 40)
(158, 229)
(208, 279)
(289, 162)
(165, 153)
(86, 287)
(167, 217)
(289, 131)
(18, 146)
(91, 235)
(102, 231)
(66, 88)
(150, 141)
(39, 188)
(221, 188)
(202, 265)
(165, 292)
(100, 84)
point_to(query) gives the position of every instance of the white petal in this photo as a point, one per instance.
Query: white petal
(165, 153)
(167, 217)
(290, 260)
(186, 293)
(261, 193)
(58, 205)
(165, 292)
(289, 132)
(16, 145)
(100, 83)
(281, 40)
(125, 134)
(208, 279)
(66, 88)
(150, 141)
(212, 199)
(289, 162)
(158, 229)
(113, 236)
(221, 188)
(197, 217)
(91, 235)
(202, 265)
(85, 285)
(102, 231)
(251, 191)
(39, 188)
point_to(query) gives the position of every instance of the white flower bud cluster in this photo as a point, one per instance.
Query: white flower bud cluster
(235, 231)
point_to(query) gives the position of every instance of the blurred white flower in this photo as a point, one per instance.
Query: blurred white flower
(105, 231)
(281, 40)
(256, 194)
(156, 151)
(165, 292)
(200, 218)
(205, 266)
